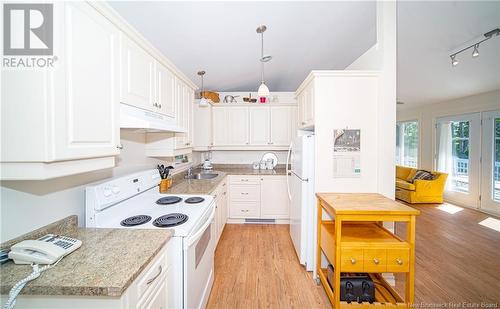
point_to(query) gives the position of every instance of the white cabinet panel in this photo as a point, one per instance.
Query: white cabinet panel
(281, 125)
(137, 75)
(259, 126)
(274, 198)
(237, 126)
(165, 91)
(86, 120)
(219, 127)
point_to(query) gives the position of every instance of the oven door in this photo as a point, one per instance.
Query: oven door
(199, 263)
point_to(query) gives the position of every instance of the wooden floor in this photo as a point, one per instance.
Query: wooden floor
(256, 267)
(457, 261)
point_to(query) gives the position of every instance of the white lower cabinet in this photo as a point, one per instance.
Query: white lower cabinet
(258, 197)
(221, 211)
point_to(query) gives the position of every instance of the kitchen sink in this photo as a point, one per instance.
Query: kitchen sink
(202, 176)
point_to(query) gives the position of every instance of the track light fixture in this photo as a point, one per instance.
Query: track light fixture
(475, 53)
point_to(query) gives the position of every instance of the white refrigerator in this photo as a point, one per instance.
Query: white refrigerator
(300, 181)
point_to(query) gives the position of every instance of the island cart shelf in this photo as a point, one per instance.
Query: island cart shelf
(355, 241)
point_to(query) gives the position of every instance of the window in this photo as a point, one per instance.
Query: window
(460, 155)
(407, 143)
(496, 164)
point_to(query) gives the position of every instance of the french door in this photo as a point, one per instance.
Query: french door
(490, 171)
(458, 153)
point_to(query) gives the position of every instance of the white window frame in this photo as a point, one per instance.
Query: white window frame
(401, 142)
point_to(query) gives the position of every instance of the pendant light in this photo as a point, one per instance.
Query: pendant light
(263, 90)
(203, 101)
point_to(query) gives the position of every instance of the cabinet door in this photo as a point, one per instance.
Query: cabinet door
(189, 119)
(237, 125)
(274, 198)
(180, 113)
(86, 113)
(281, 125)
(219, 126)
(301, 110)
(259, 126)
(137, 76)
(165, 91)
(309, 105)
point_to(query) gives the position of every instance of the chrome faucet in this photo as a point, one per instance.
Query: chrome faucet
(189, 171)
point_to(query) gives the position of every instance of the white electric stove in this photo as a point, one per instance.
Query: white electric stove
(133, 202)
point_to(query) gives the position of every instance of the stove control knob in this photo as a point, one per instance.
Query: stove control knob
(106, 192)
(115, 190)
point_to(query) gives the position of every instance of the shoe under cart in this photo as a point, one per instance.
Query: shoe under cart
(354, 240)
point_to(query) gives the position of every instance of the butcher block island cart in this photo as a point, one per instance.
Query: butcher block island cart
(354, 240)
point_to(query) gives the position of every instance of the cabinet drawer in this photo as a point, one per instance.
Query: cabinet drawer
(351, 259)
(152, 274)
(251, 180)
(245, 210)
(374, 260)
(245, 193)
(398, 260)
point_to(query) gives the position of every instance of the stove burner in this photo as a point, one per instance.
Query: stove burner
(170, 220)
(194, 200)
(135, 220)
(168, 200)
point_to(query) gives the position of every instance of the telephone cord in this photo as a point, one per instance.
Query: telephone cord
(16, 289)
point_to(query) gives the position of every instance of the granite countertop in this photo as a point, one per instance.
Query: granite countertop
(207, 186)
(108, 261)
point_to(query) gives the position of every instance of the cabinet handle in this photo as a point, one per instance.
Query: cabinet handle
(353, 261)
(244, 193)
(156, 276)
(224, 193)
(376, 261)
(303, 122)
(244, 179)
(159, 105)
(119, 146)
(244, 210)
(246, 143)
(215, 195)
(399, 261)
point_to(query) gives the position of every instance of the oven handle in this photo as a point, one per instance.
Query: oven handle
(194, 238)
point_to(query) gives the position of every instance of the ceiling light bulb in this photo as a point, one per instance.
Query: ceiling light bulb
(475, 53)
(454, 61)
(263, 90)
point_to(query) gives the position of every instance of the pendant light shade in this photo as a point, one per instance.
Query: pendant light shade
(203, 102)
(263, 89)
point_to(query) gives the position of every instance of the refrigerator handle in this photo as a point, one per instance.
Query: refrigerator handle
(288, 171)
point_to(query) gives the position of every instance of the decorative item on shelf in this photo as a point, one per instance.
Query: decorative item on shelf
(212, 96)
(271, 160)
(249, 99)
(263, 99)
(230, 98)
(256, 165)
(166, 181)
(475, 53)
(263, 89)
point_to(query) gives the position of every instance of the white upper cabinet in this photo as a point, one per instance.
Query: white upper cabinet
(282, 124)
(138, 75)
(237, 126)
(165, 91)
(305, 98)
(69, 114)
(259, 125)
(219, 126)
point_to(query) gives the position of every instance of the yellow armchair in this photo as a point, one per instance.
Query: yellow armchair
(420, 191)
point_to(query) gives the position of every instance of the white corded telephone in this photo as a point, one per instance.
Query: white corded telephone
(45, 250)
(49, 249)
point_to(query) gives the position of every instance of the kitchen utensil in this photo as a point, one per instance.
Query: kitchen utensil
(230, 98)
(272, 156)
(262, 165)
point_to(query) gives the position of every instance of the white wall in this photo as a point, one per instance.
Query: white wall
(28, 205)
(243, 157)
(382, 57)
(426, 116)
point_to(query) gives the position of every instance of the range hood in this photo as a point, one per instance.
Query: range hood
(142, 120)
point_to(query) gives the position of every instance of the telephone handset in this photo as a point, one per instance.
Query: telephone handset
(45, 250)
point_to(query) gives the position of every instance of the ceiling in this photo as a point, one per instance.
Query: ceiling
(427, 32)
(220, 38)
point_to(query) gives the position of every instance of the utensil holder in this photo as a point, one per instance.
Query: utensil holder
(165, 184)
